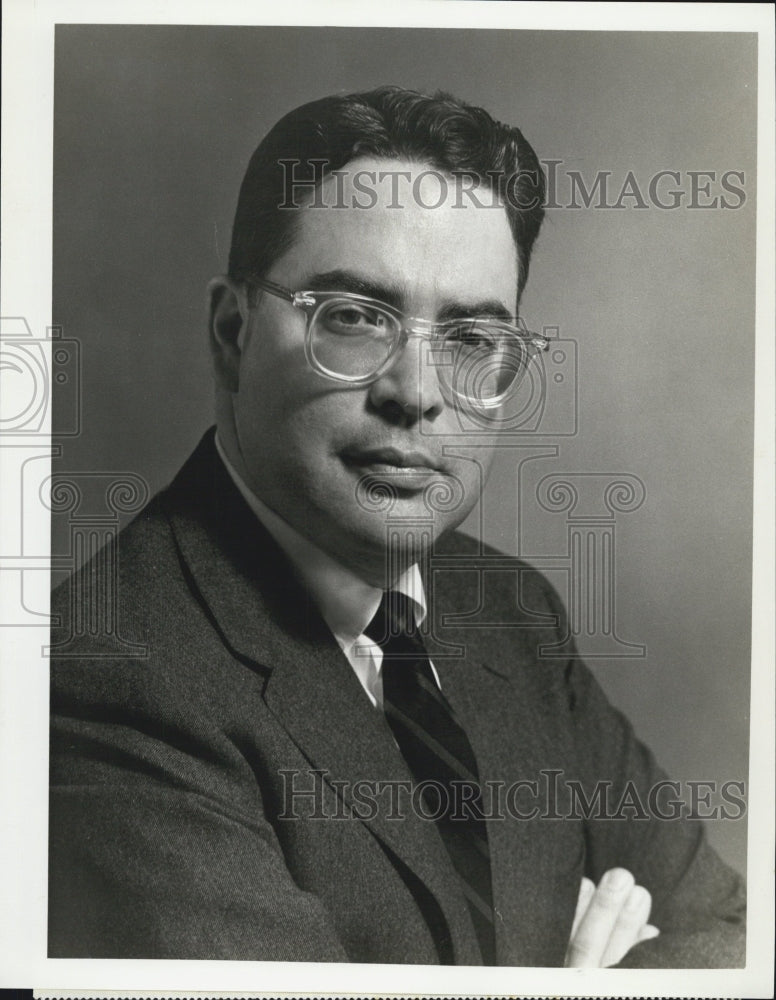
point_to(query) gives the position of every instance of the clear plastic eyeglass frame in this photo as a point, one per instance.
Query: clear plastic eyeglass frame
(520, 339)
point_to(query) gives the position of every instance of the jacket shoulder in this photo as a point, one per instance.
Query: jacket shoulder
(124, 576)
(511, 581)
(502, 609)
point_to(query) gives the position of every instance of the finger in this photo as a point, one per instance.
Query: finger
(630, 922)
(648, 931)
(587, 947)
(586, 890)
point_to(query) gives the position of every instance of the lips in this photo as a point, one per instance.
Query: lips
(394, 458)
(409, 468)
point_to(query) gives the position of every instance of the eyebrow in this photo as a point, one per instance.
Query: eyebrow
(350, 281)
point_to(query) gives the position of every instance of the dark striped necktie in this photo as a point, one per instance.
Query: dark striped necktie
(438, 753)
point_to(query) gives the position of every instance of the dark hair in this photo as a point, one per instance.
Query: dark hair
(390, 122)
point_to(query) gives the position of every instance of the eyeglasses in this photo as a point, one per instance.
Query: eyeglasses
(355, 339)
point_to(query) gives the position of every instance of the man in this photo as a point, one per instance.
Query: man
(305, 766)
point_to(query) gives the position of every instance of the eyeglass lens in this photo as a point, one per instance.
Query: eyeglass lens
(477, 359)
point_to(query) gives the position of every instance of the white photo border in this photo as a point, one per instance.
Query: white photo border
(27, 153)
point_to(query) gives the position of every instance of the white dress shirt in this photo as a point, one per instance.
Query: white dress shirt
(345, 601)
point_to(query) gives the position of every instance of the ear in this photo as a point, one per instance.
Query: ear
(227, 319)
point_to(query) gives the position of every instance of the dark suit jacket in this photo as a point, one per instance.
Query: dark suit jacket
(170, 772)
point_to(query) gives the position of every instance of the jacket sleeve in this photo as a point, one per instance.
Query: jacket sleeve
(158, 843)
(698, 902)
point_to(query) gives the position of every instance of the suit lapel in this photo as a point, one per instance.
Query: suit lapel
(266, 619)
(497, 691)
(316, 696)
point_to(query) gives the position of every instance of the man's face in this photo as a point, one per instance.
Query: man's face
(317, 451)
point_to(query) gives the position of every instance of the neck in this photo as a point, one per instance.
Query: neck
(381, 568)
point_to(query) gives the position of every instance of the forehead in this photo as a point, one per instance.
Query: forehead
(407, 225)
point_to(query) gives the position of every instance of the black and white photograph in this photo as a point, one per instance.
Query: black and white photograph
(387, 454)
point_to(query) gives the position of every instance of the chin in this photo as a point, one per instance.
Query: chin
(406, 532)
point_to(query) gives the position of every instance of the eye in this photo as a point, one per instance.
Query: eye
(473, 335)
(353, 318)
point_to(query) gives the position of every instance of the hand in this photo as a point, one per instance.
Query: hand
(608, 921)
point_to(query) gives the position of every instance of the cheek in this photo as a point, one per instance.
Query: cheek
(489, 454)
(455, 499)
(274, 385)
(480, 468)
(477, 472)
(296, 419)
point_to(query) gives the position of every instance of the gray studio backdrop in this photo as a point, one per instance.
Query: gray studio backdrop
(653, 380)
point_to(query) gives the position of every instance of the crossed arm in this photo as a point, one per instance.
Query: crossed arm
(133, 826)
(696, 903)
(609, 920)
(160, 845)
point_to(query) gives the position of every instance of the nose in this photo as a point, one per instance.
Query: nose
(410, 390)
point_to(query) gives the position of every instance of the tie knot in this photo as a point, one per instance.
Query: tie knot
(394, 617)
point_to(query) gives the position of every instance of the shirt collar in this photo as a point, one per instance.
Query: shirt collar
(346, 602)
